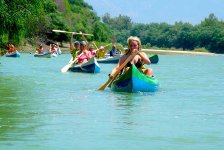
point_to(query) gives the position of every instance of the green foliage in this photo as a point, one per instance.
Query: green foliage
(35, 19)
(211, 34)
(32, 20)
(120, 25)
(200, 50)
(117, 23)
(208, 34)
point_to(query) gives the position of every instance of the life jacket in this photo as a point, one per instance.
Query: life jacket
(82, 58)
(93, 53)
(100, 54)
(74, 53)
(54, 50)
(11, 49)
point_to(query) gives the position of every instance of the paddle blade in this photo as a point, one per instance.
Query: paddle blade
(104, 85)
(154, 59)
(65, 68)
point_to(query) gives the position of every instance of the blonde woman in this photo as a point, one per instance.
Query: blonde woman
(134, 44)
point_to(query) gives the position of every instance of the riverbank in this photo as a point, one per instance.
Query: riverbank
(65, 49)
(175, 52)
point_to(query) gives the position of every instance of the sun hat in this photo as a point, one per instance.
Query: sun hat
(101, 47)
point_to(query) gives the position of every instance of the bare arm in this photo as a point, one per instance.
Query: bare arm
(71, 42)
(121, 61)
(144, 58)
(84, 38)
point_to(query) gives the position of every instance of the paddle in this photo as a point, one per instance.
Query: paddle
(154, 59)
(61, 31)
(70, 63)
(95, 45)
(66, 67)
(118, 70)
(103, 47)
(107, 45)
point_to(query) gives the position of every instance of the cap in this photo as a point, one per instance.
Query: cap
(76, 42)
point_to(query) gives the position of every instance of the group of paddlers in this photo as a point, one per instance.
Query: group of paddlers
(53, 49)
(82, 51)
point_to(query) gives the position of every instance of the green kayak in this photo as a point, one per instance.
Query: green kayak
(134, 81)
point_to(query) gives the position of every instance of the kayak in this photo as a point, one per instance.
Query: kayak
(13, 54)
(45, 54)
(134, 81)
(109, 59)
(54, 55)
(90, 66)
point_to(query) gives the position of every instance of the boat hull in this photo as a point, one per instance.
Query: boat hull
(13, 54)
(43, 55)
(89, 67)
(54, 55)
(109, 59)
(134, 81)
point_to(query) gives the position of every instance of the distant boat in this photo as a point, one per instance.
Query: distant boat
(13, 54)
(45, 54)
(109, 59)
(154, 59)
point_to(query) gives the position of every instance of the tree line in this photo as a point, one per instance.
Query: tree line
(25, 21)
(209, 34)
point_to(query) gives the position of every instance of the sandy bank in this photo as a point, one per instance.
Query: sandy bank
(65, 49)
(174, 52)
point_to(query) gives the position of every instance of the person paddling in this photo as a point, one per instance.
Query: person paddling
(113, 51)
(100, 53)
(134, 44)
(10, 48)
(74, 48)
(83, 55)
(40, 49)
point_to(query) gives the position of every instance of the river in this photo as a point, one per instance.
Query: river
(42, 108)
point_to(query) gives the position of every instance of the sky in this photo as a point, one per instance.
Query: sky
(157, 11)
